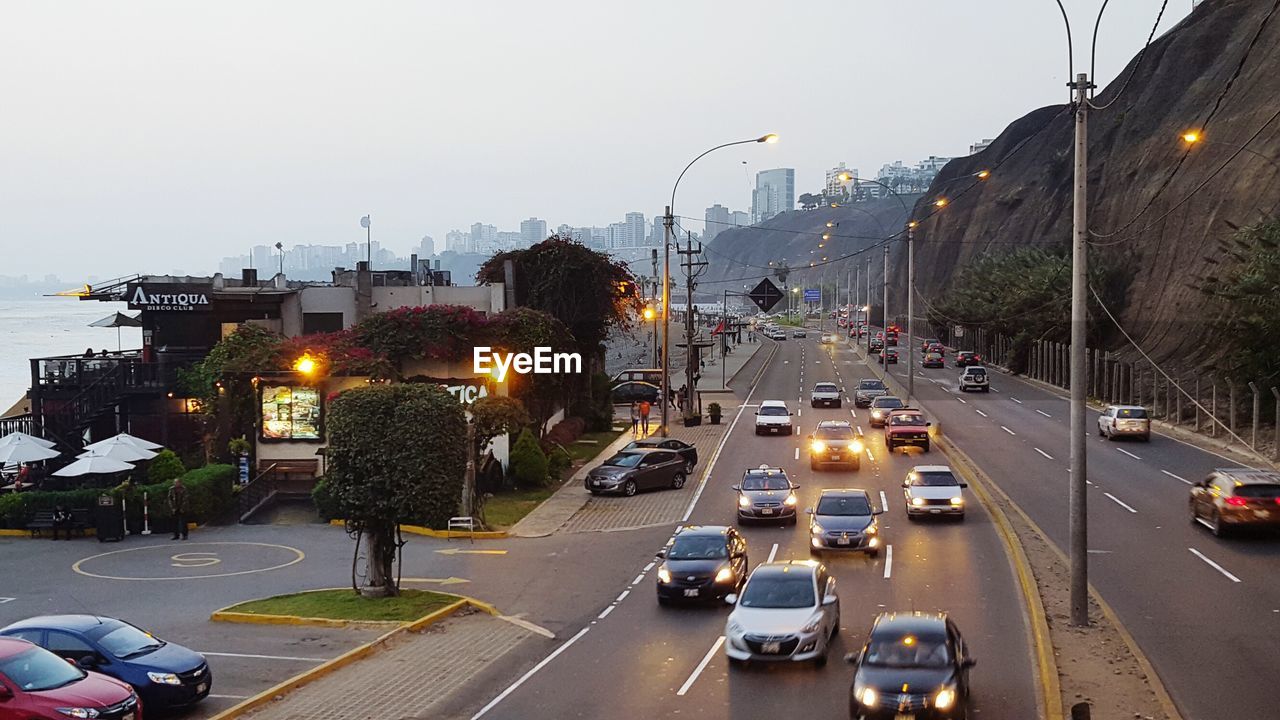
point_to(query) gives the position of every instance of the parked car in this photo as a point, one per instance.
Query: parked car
(631, 471)
(965, 358)
(881, 407)
(766, 494)
(932, 360)
(888, 357)
(906, 426)
(974, 377)
(1124, 421)
(834, 442)
(35, 683)
(686, 451)
(913, 665)
(933, 490)
(773, 417)
(702, 562)
(788, 611)
(1232, 498)
(868, 389)
(629, 392)
(843, 519)
(825, 394)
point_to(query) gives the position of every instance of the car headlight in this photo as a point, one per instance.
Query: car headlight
(876, 414)
(77, 712)
(917, 501)
(744, 501)
(664, 574)
(945, 698)
(725, 575)
(856, 446)
(867, 696)
(164, 678)
(812, 624)
(818, 446)
(957, 500)
(791, 500)
(871, 530)
(816, 529)
(733, 628)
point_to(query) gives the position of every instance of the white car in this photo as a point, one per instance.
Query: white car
(773, 418)
(825, 393)
(828, 339)
(799, 332)
(933, 490)
(974, 378)
(787, 611)
(1121, 420)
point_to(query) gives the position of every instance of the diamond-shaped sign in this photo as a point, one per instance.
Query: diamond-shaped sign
(765, 295)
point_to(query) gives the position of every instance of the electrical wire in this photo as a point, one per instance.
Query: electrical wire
(1136, 63)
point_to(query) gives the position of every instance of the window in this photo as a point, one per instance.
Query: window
(1131, 413)
(69, 646)
(932, 479)
(321, 322)
(290, 412)
(625, 459)
(843, 506)
(698, 548)
(31, 636)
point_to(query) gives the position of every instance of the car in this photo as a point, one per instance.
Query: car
(630, 471)
(875, 345)
(843, 519)
(891, 338)
(825, 394)
(1232, 498)
(924, 344)
(167, 676)
(1123, 421)
(835, 442)
(773, 417)
(936, 347)
(868, 390)
(965, 358)
(35, 683)
(799, 332)
(933, 490)
(862, 330)
(906, 426)
(636, 391)
(913, 665)
(880, 408)
(702, 562)
(766, 494)
(974, 377)
(687, 451)
(888, 357)
(778, 335)
(932, 360)
(828, 339)
(653, 376)
(788, 611)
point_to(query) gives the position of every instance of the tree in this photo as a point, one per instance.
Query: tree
(1245, 291)
(520, 330)
(491, 417)
(397, 454)
(222, 382)
(809, 201)
(164, 467)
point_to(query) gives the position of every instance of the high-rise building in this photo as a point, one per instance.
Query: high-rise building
(981, 145)
(775, 193)
(426, 247)
(617, 235)
(564, 230)
(635, 229)
(835, 186)
(456, 241)
(483, 236)
(657, 233)
(510, 240)
(717, 219)
(533, 230)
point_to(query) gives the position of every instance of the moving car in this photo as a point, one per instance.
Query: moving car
(936, 347)
(702, 562)
(933, 490)
(1232, 498)
(880, 408)
(787, 611)
(165, 675)
(631, 471)
(629, 392)
(888, 357)
(843, 519)
(35, 683)
(834, 442)
(965, 358)
(1125, 420)
(766, 494)
(906, 426)
(799, 332)
(914, 665)
(932, 360)
(778, 334)
(974, 377)
(924, 344)
(825, 394)
(875, 345)
(891, 338)
(773, 417)
(828, 339)
(868, 390)
(686, 451)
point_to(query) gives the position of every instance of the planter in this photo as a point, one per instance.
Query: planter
(715, 419)
(693, 420)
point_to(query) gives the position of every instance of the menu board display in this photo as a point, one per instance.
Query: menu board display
(290, 412)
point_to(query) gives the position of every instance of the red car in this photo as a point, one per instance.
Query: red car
(35, 683)
(906, 426)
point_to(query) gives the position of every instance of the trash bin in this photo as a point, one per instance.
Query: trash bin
(109, 519)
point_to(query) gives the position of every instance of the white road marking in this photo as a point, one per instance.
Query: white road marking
(638, 580)
(1044, 453)
(706, 474)
(1002, 427)
(797, 453)
(4, 600)
(1126, 452)
(773, 553)
(853, 413)
(524, 678)
(966, 402)
(786, 362)
(888, 561)
(860, 430)
(1015, 399)
(979, 412)
(266, 657)
(1119, 502)
(799, 412)
(884, 502)
(994, 390)
(1175, 477)
(1214, 565)
(870, 457)
(1044, 413)
(701, 666)
(606, 612)
(649, 567)
(623, 595)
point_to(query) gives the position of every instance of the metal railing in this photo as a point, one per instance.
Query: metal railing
(257, 493)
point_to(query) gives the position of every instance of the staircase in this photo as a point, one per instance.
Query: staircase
(284, 483)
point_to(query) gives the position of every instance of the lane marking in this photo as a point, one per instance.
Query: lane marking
(456, 551)
(1002, 427)
(884, 502)
(1119, 502)
(622, 596)
(860, 430)
(4, 600)
(1047, 455)
(888, 560)
(1175, 477)
(1015, 399)
(706, 475)
(797, 453)
(853, 414)
(870, 457)
(1126, 452)
(979, 412)
(1044, 413)
(649, 567)
(1214, 565)
(606, 612)
(966, 402)
(994, 390)
(799, 412)
(265, 657)
(773, 553)
(637, 581)
(228, 697)
(524, 678)
(701, 666)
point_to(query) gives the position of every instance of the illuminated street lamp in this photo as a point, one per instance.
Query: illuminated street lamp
(305, 364)
(1195, 137)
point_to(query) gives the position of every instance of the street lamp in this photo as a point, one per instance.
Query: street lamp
(305, 364)
(1196, 137)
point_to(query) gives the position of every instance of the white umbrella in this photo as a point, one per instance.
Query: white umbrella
(23, 437)
(118, 448)
(24, 451)
(126, 437)
(93, 465)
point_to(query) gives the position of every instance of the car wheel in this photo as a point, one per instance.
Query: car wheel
(1219, 529)
(664, 602)
(821, 660)
(926, 447)
(1146, 438)
(986, 389)
(594, 492)
(857, 466)
(740, 664)
(838, 404)
(629, 488)
(874, 552)
(813, 403)
(1099, 429)
(677, 481)
(814, 466)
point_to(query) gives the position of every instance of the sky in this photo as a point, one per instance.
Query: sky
(153, 137)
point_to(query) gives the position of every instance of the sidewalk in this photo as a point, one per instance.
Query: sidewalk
(739, 356)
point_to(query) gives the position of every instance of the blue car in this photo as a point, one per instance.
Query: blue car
(165, 675)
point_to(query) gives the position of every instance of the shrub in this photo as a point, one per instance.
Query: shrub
(164, 467)
(558, 461)
(528, 462)
(565, 432)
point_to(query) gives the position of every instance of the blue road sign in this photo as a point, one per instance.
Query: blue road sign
(812, 295)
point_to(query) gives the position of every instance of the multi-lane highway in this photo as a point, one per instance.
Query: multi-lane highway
(641, 660)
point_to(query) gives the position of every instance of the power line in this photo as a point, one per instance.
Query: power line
(1136, 63)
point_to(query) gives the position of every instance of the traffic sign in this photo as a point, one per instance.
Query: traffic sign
(765, 295)
(813, 295)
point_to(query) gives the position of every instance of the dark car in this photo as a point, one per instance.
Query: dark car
(766, 494)
(36, 684)
(834, 442)
(164, 674)
(888, 357)
(882, 406)
(702, 562)
(914, 665)
(875, 345)
(965, 358)
(687, 451)
(932, 360)
(636, 391)
(631, 471)
(1233, 498)
(906, 426)
(924, 344)
(891, 338)
(843, 519)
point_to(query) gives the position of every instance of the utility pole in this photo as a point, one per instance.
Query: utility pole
(868, 308)
(1079, 518)
(653, 255)
(668, 220)
(911, 311)
(886, 301)
(691, 359)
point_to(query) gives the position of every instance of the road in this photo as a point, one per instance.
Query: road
(660, 662)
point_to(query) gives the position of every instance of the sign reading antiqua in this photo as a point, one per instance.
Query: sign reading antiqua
(168, 297)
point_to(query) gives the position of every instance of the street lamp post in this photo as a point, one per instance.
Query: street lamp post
(911, 311)
(1078, 499)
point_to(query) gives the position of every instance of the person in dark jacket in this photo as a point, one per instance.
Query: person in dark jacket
(61, 521)
(178, 508)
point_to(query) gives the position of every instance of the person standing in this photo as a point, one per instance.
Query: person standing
(178, 508)
(635, 417)
(644, 416)
(61, 521)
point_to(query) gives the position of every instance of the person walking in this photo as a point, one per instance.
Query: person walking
(178, 508)
(635, 417)
(644, 416)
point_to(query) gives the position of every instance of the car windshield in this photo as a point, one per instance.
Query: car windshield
(906, 419)
(870, 385)
(931, 479)
(779, 591)
(887, 402)
(1258, 491)
(908, 651)
(976, 372)
(127, 641)
(825, 387)
(773, 410)
(761, 481)
(38, 669)
(698, 548)
(843, 506)
(833, 432)
(1131, 413)
(627, 460)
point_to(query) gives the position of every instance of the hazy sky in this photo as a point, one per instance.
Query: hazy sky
(162, 136)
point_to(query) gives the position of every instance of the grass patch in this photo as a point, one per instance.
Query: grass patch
(587, 450)
(345, 604)
(507, 508)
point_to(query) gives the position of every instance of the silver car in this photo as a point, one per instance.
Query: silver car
(787, 611)
(766, 494)
(933, 490)
(1125, 420)
(825, 393)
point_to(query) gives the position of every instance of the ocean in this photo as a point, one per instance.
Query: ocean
(44, 326)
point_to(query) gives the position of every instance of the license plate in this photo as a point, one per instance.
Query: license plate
(842, 541)
(202, 687)
(901, 716)
(773, 429)
(771, 648)
(835, 457)
(766, 511)
(691, 592)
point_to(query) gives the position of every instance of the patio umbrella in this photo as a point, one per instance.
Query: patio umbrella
(118, 448)
(135, 441)
(24, 437)
(94, 465)
(117, 320)
(24, 451)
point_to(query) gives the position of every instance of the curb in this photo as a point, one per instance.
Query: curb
(88, 532)
(738, 372)
(573, 485)
(428, 532)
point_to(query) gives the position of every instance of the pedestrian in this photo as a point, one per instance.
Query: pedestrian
(635, 417)
(178, 508)
(644, 416)
(61, 521)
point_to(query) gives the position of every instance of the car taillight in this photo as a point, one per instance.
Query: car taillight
(1237, 501)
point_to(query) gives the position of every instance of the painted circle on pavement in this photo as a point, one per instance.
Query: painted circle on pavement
(178, 561)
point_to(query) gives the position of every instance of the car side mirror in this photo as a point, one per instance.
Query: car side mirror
(809, 510)
(877, 512)
(662, 554)
(964, 485)
(736, 487)
(927, 424)
(968, 663)
(830, 599)
(790, 413)
(731, 599)
(795, 487)
(88, 662)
